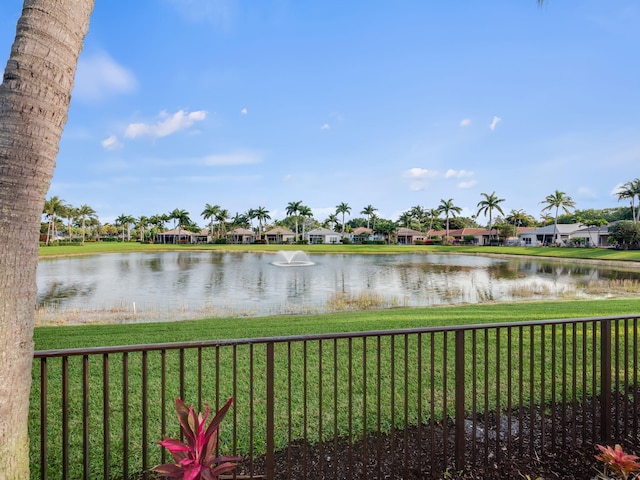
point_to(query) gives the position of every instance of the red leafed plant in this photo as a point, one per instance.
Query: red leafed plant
(621, 464)
(194, 459)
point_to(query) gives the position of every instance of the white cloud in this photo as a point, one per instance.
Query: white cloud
(465, 122)
(458, 173)
(99, 76)
(238, 158)
(326, 126)
(419, 177)
(494, 123)
(167, 124)
(586, 192)
(111, 143)
(469, 184)
(244, 111)
(421, 173)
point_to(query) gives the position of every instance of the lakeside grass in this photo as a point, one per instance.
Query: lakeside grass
(83, 336)
(93, 248)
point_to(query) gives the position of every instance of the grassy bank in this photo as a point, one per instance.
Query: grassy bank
(92, 248)
(58, 337)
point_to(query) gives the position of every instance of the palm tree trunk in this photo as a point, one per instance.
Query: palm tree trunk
(34, 101)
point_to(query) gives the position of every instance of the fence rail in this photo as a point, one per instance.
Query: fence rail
(346, 405)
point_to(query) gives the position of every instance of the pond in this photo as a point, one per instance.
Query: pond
(136, 287)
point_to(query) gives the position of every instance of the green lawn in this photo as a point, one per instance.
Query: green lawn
(570, 253)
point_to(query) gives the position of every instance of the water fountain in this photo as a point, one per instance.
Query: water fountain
(289, 258)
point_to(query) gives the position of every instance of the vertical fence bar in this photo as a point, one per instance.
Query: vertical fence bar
(406, 406)
(125, 415)
(320, 439)
(304, 406)
(43, 418)
(497, 387)
(364, 408)
(379, 406)
(509, 389)
(335, 407)
(163, 400)
(270, 412)
(392, 349)
(252, 407)
(459, 401)
(145, 413)
(520, 388)
(474, 395)
(65, 417)
(350, 390)
(635, 375)
(445, 413)
(553, 385)
(85, 416)
(419, 372)
(605, 375)
(105, 416)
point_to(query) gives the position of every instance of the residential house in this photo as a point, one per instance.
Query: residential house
(279, 235)
(241, 235)
(322, 235)
(548, 234)
(593, 236)
(177, 235)
(408, 236)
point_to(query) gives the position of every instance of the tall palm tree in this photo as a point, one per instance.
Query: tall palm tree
(141, 224)
(85, 213)
(369, 211)
(332, 221)
(52, 207)
(34, 101)
(558, 200)
(221, 217)
(433, 214)
(405, 219)
(262, 215)
(293, 209)
(70, 214)
(343, 208)
(419, 214)
(304, 212)
(125, 221)
(449, 209)
(631, 190)
(180, 218)
(489, 204)
(209, 213)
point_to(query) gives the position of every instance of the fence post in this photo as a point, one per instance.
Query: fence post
(459, 406)
(605, 375)
(270, 416)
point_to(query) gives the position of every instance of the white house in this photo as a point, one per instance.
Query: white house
(548, 234)
(322, 235)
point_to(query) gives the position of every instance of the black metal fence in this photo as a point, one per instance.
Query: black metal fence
(356, 405)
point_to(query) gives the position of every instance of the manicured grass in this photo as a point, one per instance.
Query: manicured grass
(60, 337)
(569, 253)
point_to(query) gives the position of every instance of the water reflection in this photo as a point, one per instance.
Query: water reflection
(173, 285)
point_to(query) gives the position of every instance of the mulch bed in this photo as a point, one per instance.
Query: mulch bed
(423, 454)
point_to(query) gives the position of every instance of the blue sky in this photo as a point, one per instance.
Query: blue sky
(180, 103)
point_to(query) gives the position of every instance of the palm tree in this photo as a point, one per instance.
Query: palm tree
(70, 214)
(141, 224)
(405, 219)
(418, 213)
(631, 190)
(448, 208)
(343, 208)
(489, 204)
(292, 210)
(558, 200)
(433, 214)
(52, 207)
(262, 215)
(369, 211)
(332, 221)
(180, 219)
(221, 218)
(304, 212)
(125, 221)
(34, 103)
(209, 213)
(85, 213)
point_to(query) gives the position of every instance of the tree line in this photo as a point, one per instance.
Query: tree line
(64, 220)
